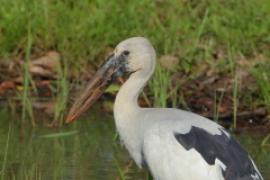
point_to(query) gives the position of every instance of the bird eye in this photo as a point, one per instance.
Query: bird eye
(126, 53)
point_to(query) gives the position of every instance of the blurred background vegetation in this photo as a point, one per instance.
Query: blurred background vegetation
(216, 51)
(213, 56)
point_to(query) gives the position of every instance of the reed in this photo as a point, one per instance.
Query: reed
(27, 111)
(62, 94)
(235, 85)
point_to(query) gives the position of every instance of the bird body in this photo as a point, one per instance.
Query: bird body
(173, 144)
(154, 145)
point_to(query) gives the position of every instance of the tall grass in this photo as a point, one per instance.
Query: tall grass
(27, 111)
(83, 31)
(235, 100)
(235, 85)
(262, 76)
(86, 29)
(217, 104)
(62, 94)
(159, 86)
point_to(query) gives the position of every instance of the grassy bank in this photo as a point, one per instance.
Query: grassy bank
(82, 31)
(207, 37)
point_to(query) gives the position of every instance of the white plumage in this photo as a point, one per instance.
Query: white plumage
(174, 144)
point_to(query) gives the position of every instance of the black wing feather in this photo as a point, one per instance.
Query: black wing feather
(211, 147)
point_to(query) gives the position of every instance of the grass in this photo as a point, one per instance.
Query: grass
(159, 86)
(262, 76)
(120, 170)
(59, 134)
(84, 31)
(235, 101)
(2, 172)
(217, 104)
(62, 95)
(235, 89)
(265, 141)
(27, 111)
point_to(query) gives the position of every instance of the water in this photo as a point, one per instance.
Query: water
(87, 149)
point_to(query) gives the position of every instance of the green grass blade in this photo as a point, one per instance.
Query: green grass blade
(60, 134)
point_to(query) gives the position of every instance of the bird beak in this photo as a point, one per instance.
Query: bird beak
(113, 68)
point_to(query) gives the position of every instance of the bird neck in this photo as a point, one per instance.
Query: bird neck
(127, 97)
(127, 112)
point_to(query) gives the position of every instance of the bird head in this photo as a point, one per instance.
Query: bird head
(131, 55)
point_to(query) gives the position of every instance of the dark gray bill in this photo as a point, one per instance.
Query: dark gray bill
(112, 69)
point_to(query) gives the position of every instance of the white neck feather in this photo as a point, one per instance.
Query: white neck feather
(126, 102)
(127, 97)
(127, 110)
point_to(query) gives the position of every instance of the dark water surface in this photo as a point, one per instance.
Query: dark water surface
(87, 149)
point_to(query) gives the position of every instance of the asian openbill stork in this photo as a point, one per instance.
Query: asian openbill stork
(174, 144)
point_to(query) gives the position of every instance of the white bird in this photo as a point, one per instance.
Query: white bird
(173, 144)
